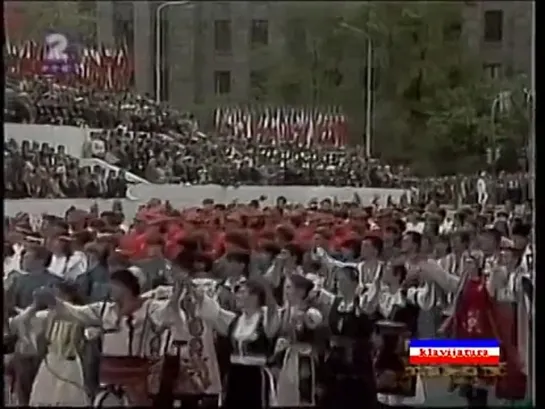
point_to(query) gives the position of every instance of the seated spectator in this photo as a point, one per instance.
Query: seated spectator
(31, 170)
(162, 145)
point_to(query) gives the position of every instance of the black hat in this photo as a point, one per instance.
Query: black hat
(351, 272)
(127, 279)
(302, 283)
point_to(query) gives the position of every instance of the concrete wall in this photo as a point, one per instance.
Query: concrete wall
(71, 137)
(187, 196)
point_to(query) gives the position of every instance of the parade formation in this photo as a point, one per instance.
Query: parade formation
(278, 306)
(272, 248)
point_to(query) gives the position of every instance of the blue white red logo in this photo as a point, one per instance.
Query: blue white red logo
(454, 352)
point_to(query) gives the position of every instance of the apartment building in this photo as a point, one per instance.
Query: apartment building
(210, 51)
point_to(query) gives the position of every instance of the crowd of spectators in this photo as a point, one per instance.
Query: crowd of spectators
(164, 146)
(42, 101)
(31, 170)
(195, 159)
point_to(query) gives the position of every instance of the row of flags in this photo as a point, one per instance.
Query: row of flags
(97, 67)
(267, 124)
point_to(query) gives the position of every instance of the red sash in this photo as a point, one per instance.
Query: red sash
(478, 315)
(131, 373)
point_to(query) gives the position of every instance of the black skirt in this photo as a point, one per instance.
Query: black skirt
(349, 379)
(247, 387)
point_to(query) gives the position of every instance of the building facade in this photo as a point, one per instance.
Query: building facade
(210, 51)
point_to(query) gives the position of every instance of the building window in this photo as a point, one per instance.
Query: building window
(493, 26)
(222, 36)
(259, 33)
(492, 71)
(258, 85)
(222, 82)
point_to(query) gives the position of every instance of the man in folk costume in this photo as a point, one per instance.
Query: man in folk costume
(476, 314)
(191, 371)
(64, 262)
(411, 249)
(369, 268)
(132, 329)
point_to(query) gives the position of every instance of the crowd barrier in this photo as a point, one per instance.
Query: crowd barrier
(186, 196)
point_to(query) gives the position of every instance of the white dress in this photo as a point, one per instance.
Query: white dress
(59, 381)
(140, 335)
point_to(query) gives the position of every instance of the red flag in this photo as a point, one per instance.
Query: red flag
(478, 315)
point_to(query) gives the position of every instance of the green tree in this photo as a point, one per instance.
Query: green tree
(438, 103)
(432, 103)
(308, 68)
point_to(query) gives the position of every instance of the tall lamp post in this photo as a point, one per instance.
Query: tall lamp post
(158, 48)
(368, 86)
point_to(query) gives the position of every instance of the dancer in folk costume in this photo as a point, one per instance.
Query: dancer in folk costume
(252, 333)
(476, 313)
(397, 298)
(133, 330)
(371, 265)
(93, 286)
(28, 355)
(59, 381)
(237, 270)
(191, 373)
(348, 373)
(66, 263)
(296, 384)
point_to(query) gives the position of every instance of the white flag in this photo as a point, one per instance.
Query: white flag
(266, 119)
(310, 132)
(217, 117)
(249, 126)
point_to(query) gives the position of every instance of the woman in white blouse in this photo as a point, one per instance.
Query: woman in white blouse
(59, 381)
